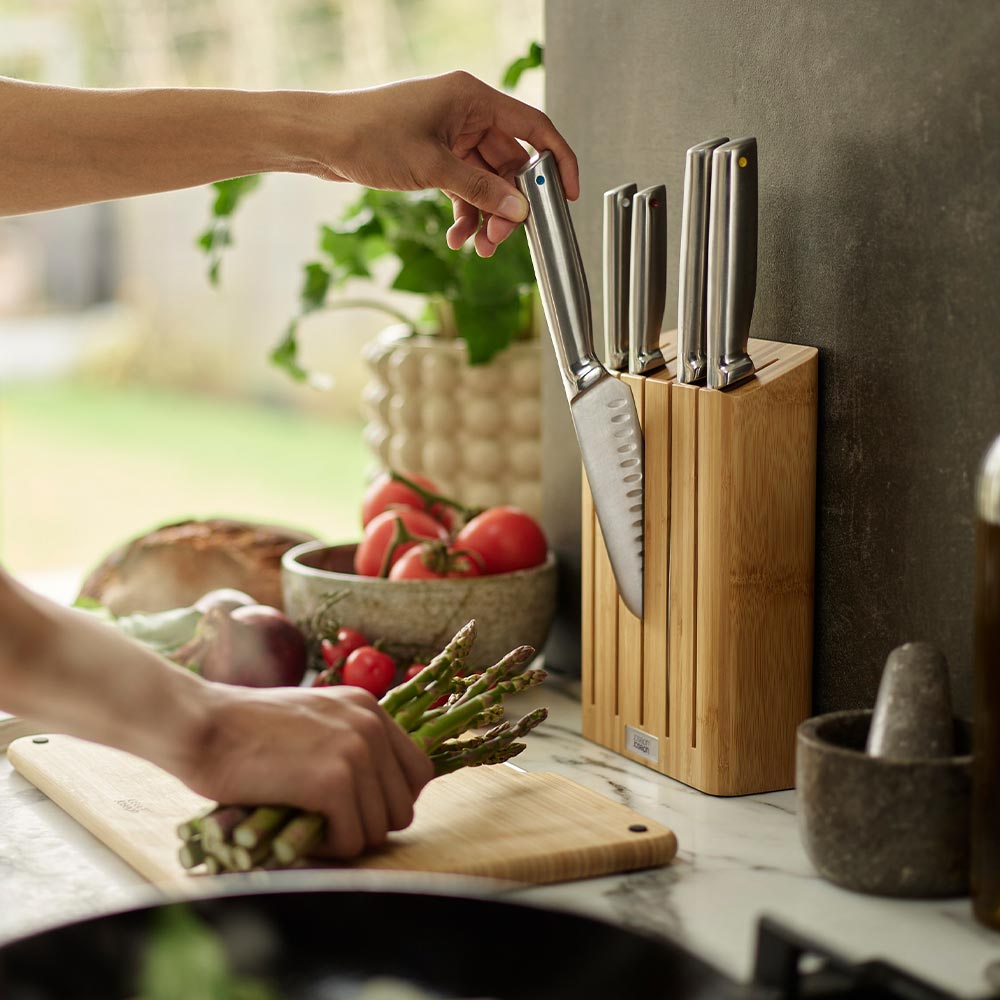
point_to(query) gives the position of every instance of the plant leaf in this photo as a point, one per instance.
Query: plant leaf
(286, 355)
(532, 59)
(423, 271)
(486, 330)
(314, 287)
(347, 251)
(228, 194)
(219, 234)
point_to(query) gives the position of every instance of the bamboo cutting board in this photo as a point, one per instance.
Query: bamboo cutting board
(494, 822)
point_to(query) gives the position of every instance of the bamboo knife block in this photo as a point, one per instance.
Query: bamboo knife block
(710, 685)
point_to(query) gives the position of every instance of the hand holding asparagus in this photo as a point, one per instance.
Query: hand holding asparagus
(239, 838)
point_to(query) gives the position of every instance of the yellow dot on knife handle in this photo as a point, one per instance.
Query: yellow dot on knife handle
(742, 161)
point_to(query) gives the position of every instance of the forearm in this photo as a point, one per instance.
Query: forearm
(66, 146)
(77, 675)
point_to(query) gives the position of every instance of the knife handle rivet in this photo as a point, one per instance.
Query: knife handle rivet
(40, 739)
(742, 161)
(539, 180)
(638, 828)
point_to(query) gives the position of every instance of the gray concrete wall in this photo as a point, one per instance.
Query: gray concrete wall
(879, 133)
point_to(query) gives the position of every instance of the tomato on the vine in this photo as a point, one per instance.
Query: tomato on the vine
(347, 640)
(325, 678)
(435, 561)
(384, 493)
(507, 539)
(371, 669)
(371, 552)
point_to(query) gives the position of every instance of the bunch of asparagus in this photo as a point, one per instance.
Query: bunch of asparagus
(240, 838)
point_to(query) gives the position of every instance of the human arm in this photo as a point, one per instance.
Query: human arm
(68, 146)
(330, 750)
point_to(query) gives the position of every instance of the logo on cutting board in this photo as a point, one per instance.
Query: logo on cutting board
(132, 805)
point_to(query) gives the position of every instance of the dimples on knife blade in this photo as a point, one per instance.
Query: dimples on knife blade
(602, 406)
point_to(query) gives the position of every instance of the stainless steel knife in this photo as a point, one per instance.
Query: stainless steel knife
(648, 284)
(617, 247)
(732, 261)
(603, 410)
(691, 340)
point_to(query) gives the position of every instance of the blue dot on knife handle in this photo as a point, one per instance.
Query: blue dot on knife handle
(539, 181)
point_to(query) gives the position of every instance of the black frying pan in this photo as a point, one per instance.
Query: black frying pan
(317, 937)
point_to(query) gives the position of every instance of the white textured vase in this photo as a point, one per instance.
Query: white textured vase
(474, 429)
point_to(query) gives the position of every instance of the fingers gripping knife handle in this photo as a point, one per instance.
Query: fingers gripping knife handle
(603, 408)
(559, 269)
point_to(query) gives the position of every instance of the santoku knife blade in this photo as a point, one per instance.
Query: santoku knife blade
(691, 341)
(648, 284)
(732, 261)
(617, 249)
(603, 410)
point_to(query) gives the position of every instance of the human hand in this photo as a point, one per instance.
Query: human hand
(451, 132)
(332, 750)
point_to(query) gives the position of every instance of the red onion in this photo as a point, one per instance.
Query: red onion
(253, 645)
(225, 598)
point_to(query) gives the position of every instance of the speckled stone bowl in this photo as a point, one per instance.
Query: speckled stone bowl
(417, 617)
(885, 827)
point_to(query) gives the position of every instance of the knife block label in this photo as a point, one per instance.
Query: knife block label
(642, 744)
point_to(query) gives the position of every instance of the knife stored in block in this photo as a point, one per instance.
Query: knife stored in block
(648, 284)
(732, 261)
(603, 409)
(691, 341)
(617, 248)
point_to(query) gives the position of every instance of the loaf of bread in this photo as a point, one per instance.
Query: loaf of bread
(173, 566)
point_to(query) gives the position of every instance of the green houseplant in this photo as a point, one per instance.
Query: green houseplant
(455, 393)
(486, 304)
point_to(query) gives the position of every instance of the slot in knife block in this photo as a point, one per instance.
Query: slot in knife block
(710, 685)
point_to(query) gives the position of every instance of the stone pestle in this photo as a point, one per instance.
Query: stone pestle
(912, 719)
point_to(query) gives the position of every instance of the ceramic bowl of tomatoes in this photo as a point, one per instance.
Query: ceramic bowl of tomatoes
(424, 566)
(416, 617)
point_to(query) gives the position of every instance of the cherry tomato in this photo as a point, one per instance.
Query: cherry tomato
(412, 670)
(384, 492)
(507, 539)
(370, 554)
(434, 562)
(348, 640)
(371, 669)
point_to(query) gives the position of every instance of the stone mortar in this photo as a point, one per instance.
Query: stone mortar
(885, 827)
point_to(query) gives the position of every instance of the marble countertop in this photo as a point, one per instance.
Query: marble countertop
(738, 859)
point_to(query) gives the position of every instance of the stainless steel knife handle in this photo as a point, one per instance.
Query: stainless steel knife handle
(562, 281)
(617, 250)
(691, 338)
(732, 261)
(648, 285)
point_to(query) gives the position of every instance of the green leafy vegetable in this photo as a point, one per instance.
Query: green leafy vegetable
(162, 631)
(185, 960)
